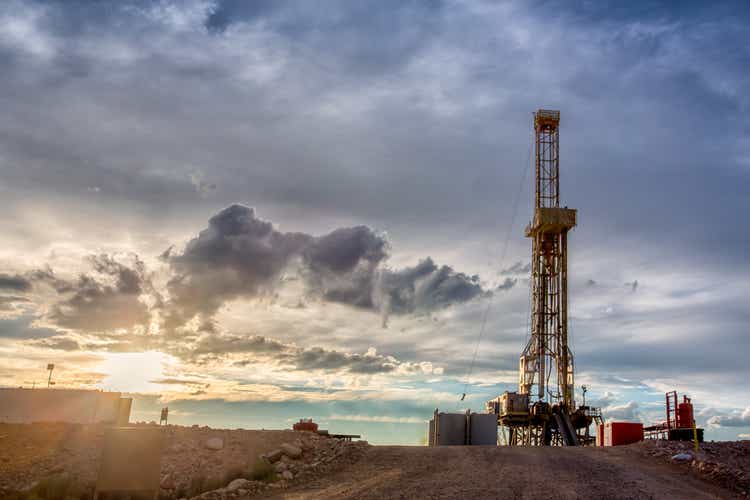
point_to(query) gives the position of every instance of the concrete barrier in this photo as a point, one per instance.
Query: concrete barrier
(63, 405)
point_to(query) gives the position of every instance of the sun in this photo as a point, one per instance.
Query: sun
(134, 371)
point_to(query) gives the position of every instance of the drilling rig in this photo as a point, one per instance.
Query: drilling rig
(543, 411)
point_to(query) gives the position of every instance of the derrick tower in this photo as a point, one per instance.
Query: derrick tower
(543, 411)
(546, 365)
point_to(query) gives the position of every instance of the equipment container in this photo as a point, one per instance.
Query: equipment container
(619, 433)
(513, 402)
(483, 429)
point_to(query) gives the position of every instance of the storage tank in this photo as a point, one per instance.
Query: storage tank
(685, 414)
(450, 429)
(482, 429)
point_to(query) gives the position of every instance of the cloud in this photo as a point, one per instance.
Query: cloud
(340, 266)
(424, 287)
(628, 411)
(248, 350)
(108, 299)
(16, 283)
(59, 343)
(517, 268)
(179, 381)
(507, 284)
(605, 400)
(736, 419)
(227, 344)
(237, 255)
(240, 255)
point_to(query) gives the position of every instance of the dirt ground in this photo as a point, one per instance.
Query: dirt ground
(329, 468)
(512, 473)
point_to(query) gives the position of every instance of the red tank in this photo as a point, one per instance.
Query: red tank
(685, 414)
(305, 425)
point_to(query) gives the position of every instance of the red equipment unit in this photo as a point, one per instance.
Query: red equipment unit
(305, 425)
(619, 433)
(685, 414)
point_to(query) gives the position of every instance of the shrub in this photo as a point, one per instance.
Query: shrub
(262, 471)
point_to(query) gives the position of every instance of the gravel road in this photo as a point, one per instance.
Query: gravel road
(502, 472)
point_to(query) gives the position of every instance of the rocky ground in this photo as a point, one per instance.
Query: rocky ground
(725, 463)
(198, 462)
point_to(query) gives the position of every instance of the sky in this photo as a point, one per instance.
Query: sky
(254, 212)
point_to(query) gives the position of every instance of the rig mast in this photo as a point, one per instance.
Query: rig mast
(543, 411)
(547, 362)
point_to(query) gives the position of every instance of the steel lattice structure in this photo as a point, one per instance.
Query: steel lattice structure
(543, 411)
(547, 362)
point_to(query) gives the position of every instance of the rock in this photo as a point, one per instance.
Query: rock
(273, 456)
(287, 475)
(167, 482)
(279, 467)
(682, 457)
(238, 484)
(214, 443)
(291, 451)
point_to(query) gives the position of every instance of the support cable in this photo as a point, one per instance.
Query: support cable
(502, 261)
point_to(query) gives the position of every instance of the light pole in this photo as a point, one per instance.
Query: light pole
(50, 367)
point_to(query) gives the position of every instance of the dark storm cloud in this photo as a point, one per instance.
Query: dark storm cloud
(91, 304)
(240, 255)
(14, 282)
(227, 344)
(237, 255)
(424, 287)
(341, 265)
(253, 349)
(317, 358)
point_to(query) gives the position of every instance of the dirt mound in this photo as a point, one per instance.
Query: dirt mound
(725, 463)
